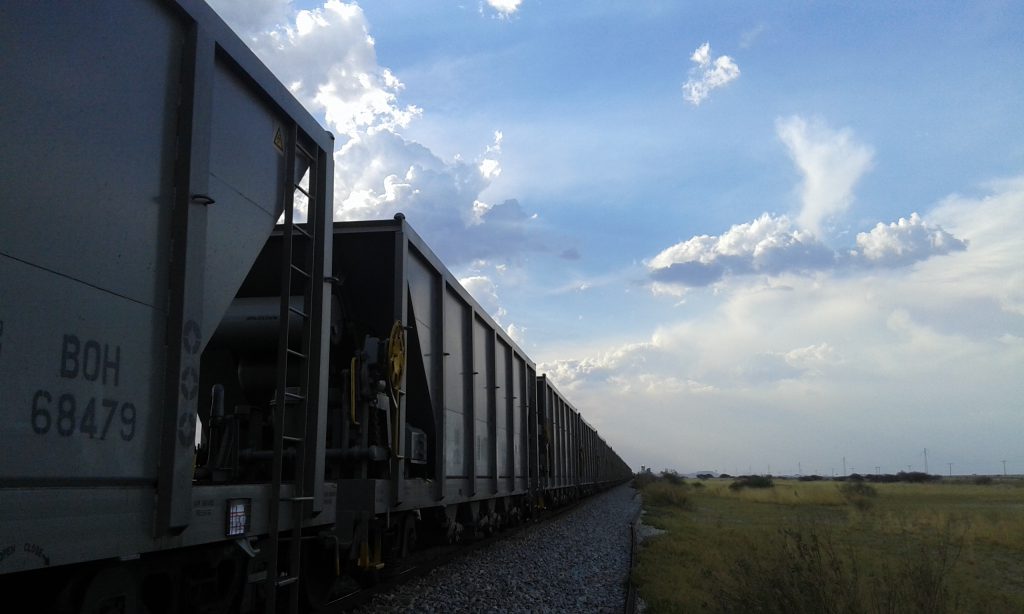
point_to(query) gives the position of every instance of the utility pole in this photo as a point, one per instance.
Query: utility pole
(878, 470)
(950, 469)
(926, 461)
(799, 468)
(1004, 468)
(844, 465)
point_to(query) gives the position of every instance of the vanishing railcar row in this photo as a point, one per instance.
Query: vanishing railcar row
(212, 397)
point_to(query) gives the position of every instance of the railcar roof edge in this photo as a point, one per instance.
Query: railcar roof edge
(232, 47)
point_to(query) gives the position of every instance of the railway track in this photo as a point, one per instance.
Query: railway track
(425, 561)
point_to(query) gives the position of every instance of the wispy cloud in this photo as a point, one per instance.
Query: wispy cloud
(708, 75)
(748, 38)
(831, 161)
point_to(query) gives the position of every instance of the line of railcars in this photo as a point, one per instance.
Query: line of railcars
(212, 397)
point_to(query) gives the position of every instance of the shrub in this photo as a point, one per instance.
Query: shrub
(983, 480)
(752, 481)
(672, 477)
(857, 489)
(643, 478)
(666, 494)
(858, 494)
(915, 476)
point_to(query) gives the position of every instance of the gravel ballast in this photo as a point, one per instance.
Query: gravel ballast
(578, 562)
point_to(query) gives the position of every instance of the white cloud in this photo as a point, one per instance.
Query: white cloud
(483, 290)
(517, 333)
(489, 166)
(994, 225)
(932, 351)
(708, 74)
(811, 358)
(769, 244)
(250, 17)
(329, 58)
(505, 8)
(831, 162)
(905, 241)
(748, 38)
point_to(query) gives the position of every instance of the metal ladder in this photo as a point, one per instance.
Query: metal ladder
(290, 407)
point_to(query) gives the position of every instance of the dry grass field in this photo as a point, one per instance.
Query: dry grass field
(843, 547)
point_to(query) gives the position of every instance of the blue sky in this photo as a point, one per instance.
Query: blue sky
(735, 235)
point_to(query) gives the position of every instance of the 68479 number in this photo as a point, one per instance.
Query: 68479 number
(94, 418)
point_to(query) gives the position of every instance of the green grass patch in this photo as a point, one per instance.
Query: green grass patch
(846, 547)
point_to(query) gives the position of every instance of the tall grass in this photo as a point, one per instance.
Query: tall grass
(832, 547)
(785, 492)
(803, 571)
(665, 493)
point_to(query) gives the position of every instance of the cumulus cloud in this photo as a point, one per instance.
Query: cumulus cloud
(327, 57)
(483, 290)
(517, 333)
(708, 74)
(831, 162)
(383, 173)
(905, 241)
(769, 244)
(772, 245)
(505, 8)
(629, 358)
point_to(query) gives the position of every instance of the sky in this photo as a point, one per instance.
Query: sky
(746, 237)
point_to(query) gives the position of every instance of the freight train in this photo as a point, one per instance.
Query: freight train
(213, 398)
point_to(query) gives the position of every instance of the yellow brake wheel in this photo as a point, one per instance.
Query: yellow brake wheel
(396, 356)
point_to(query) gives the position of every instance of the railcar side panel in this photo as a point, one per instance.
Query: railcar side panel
(146, 178)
